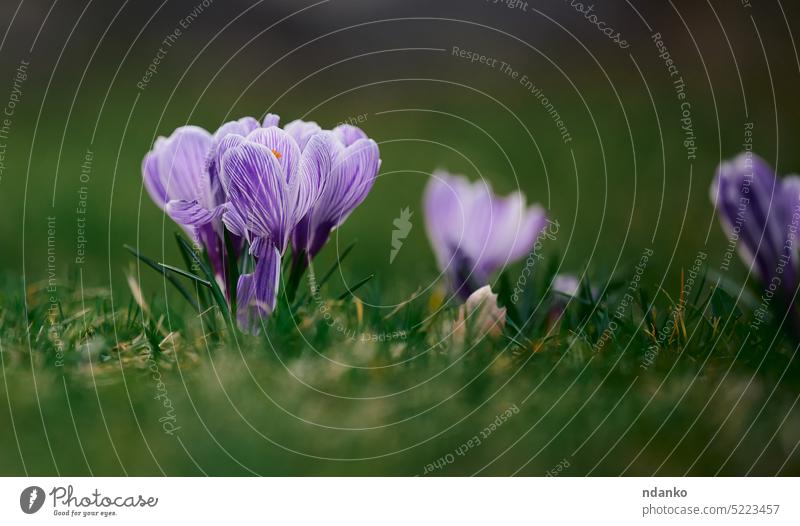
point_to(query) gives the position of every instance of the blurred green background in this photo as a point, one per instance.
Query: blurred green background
(622, 184)
(629, 184)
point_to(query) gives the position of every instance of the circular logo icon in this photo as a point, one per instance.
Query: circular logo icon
(31, 499)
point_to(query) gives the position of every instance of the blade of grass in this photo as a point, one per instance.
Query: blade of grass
(185, 274)
(329, 272)
(518, 332)
(167, 275)
(355, 287)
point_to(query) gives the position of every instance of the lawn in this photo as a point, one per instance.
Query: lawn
(621, 379)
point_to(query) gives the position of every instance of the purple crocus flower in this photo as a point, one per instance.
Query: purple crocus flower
(475, 233)
(181, 175)
(355, 164)
(761, 213)
(271, 184)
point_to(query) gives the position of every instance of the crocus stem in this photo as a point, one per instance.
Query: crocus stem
(298, 268)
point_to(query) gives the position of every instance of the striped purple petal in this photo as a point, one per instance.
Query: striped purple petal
(257, 189)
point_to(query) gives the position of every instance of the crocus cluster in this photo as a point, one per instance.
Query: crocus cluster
(761, 214)
(270, 188)
(475, 233)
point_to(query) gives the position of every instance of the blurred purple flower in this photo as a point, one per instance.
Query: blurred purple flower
(567, 285)
(475, 233)
(355, 164)
(761, 214)
(271, 184)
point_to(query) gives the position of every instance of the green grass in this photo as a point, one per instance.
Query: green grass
(617, 384)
